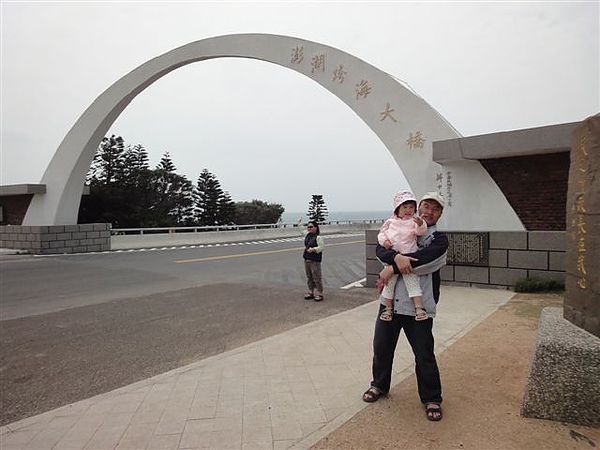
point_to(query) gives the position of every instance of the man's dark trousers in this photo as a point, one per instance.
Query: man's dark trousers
(420, 338)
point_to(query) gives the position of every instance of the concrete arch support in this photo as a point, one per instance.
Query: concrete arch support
(404, 122)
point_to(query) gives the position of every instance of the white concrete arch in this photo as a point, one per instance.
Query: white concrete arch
(404, 122)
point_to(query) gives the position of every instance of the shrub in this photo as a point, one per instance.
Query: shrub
(539, 285)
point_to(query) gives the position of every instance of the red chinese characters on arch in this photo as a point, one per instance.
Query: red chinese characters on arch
(317, 63)
(339, 74)
(297, 54)
(362, 87)
(387, 113)
(415, 140)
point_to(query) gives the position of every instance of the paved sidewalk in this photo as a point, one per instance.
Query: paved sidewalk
(286, 391)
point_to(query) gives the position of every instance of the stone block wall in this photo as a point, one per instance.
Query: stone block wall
(512, 256)
(56, 239)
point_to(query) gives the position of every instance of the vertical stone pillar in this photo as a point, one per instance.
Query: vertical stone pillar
(582, 295)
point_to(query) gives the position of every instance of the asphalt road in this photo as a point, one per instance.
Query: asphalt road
(40, 284)
(74, 326)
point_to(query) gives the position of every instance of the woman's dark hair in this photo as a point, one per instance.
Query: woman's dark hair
(316, 225)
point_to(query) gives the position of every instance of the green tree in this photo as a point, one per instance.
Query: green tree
(226, 210)
(127, 193)
(135, 187)
(108, 200)
(182, 211)
(108, 163)
(172, 204)
(317, 210)
(136, 161)
(208, 198)
(257, 211)
(166, 164)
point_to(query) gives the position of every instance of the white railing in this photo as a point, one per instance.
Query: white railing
(130, 238)
(213, 228)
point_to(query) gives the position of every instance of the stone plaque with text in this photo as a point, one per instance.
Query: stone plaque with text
(468, 248)
(582, 283)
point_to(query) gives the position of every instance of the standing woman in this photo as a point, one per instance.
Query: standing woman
(313, 255)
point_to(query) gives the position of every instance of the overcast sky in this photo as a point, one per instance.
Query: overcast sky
(270, 133)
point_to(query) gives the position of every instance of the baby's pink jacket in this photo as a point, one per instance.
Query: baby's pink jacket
(402, 233)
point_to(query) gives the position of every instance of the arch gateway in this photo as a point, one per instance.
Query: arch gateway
(403, 121)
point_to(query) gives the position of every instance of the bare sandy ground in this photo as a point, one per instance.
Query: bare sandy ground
(483, 378)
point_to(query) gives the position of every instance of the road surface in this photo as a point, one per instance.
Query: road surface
(74, 326)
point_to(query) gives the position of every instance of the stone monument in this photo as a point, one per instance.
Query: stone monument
(582, 296)
(564, 381)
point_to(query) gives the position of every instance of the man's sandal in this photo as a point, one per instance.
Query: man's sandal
(420, 313)
(433, 411)
(309, 296)
(372, 395)
(386, 315)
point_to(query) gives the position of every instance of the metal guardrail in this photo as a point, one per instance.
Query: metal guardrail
(203, 229)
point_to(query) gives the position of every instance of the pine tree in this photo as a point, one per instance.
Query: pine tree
(173, 202)
(108, 163)
(136, 186)
(166, 163)
(127, 193)
(109, 198)
(136, 158)
(226, 210)
(182, 212)
(317, 210)
(208, 196)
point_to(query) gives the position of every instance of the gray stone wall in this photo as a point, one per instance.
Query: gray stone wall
(512, 256)
(56, 239)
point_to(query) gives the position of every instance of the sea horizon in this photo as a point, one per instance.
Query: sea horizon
(332, 216)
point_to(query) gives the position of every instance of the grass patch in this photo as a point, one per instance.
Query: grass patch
(539, 285)
(531, 305)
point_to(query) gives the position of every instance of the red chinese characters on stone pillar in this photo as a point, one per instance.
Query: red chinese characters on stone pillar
(580, 233)
(582, 295)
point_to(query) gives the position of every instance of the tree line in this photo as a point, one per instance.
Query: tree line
(126, 192)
